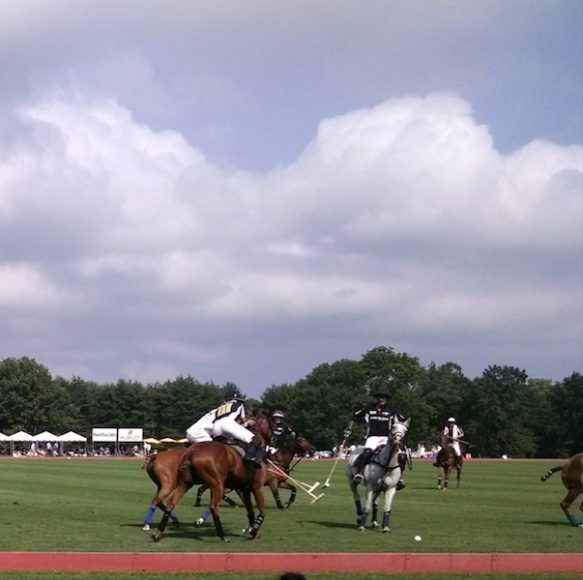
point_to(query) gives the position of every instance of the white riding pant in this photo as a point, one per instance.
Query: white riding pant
(200, 431)
(456, 448)
(227, 427)
(374, 441)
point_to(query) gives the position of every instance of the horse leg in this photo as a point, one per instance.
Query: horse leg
(201, 489)
(367, 509)
(459, 474)
(389, 495)
(446, 471)
(175, 498)
(566, 504)
(293, 493)
(260, 517)
(217, 493)
(375, 511)
(275, 492)
(157, 503)
(440, 477)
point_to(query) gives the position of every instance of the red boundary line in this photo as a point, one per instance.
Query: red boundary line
(288, 561)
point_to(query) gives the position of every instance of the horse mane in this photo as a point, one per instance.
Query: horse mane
(261, 427)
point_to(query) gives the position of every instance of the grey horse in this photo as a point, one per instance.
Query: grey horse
(381, 474)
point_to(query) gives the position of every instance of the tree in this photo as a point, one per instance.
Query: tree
(496, 403)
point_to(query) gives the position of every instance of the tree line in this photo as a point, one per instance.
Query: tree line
(503, 411)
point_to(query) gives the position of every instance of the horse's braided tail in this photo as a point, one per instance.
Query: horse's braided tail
(550, 472)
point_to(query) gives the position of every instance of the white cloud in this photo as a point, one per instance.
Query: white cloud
(403, 217)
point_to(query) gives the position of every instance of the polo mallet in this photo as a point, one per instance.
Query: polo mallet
(301, 483)
(303, 486)
(327, 482)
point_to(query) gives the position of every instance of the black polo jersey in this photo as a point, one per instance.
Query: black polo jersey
(379, 419)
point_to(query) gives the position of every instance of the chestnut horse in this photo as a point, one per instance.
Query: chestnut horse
(446, 461)
(275, 479)
(163, 470)
(221, 466)
(572, 477)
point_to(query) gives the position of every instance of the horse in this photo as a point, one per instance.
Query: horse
(446, 461)
(220, 466)
(382, 473)
(572, 477)
(163, 471)
(275, 478)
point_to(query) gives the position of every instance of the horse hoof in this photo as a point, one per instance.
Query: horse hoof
(199, 522)
(386, 530)
(361, 528)
(175, 524)
(375, 524)
(146, 528)
(156, 537)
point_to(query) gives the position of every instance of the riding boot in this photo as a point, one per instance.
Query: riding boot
(359, 465)
(255, 453)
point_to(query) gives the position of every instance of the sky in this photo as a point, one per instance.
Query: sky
(241, 191)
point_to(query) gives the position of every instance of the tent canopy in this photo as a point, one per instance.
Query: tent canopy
(3, 437)
(45, 436)
(71, 436)
(20, 436)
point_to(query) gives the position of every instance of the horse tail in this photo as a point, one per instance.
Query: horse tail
(550, 472)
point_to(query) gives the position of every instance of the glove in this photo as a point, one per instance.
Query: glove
(347, 433)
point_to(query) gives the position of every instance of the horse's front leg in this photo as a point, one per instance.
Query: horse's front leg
(375, 510)
(389, 495)
(256, 524)
(367, 509)
(175, 498)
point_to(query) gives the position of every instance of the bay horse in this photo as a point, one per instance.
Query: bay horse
(446, 461)
(276, 480)
(382, 473)
(572, 477)
(221, 466)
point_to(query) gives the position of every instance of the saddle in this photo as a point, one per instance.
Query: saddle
(236, 445)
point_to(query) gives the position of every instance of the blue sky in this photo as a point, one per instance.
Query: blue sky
(242, 190)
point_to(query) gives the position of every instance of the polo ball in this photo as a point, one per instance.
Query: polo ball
(417, 538)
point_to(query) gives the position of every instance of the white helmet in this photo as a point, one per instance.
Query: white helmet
(277, 414)
(451, 420)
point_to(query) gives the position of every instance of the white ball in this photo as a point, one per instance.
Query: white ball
(417, 538)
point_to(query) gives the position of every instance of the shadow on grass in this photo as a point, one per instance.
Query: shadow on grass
(547, 523)
(342, 525)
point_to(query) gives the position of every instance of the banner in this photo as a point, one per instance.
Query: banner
(104, 435)
(130, 435)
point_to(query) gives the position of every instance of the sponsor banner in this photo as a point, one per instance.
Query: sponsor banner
(130, 435)
(104, 435)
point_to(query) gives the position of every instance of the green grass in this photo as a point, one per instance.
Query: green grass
(98, 505)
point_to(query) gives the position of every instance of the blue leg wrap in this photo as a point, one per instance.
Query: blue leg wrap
(150, 514)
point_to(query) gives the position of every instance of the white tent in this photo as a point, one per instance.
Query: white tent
(45, 436)
(3, 437)
(20, 436)
(71, 437)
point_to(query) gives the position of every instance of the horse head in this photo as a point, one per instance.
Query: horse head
(301, 446)
(399, 431)
(262, 428)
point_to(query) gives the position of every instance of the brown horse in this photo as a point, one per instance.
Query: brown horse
(163, 471)
(221, 466)
(572, 477)
(446, 461)
(275, 478)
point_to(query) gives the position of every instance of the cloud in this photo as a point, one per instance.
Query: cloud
(398, 222)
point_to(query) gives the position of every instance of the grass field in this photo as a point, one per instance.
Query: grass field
(98, 505)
